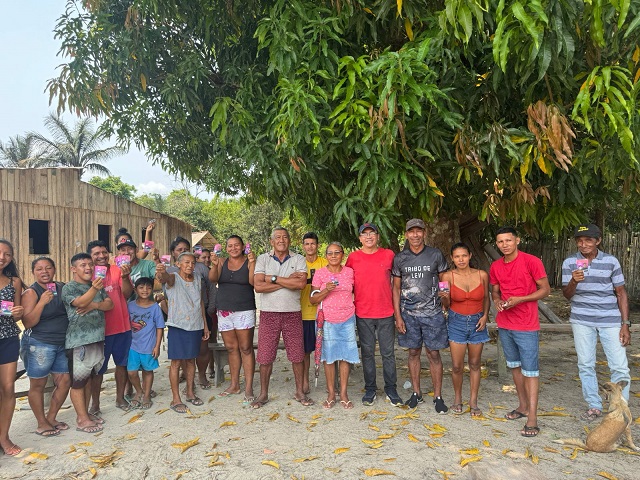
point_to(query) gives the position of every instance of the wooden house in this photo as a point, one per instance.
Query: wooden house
(204, 239)
(51, 212)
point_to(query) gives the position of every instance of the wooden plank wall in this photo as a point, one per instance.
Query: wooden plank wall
(74, 209)
(623, 245)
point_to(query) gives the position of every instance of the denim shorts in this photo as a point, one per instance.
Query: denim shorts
(40, 359)
(430, 331)
(144, 361)
(521, 350)
(462, 328)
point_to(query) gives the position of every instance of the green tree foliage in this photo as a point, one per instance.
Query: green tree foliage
(21, 152)
(75, 146)
(114, 185)
(346, 110)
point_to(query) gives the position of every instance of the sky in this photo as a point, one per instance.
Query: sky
(29, 58)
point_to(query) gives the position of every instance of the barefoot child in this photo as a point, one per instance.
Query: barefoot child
(147, 325)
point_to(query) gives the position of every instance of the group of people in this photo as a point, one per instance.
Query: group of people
(316, 304)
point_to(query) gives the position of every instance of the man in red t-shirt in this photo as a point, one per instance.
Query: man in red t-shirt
(518, 280)
(374, 312)
(117, 340)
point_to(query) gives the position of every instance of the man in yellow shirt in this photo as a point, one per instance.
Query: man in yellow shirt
(310, 247)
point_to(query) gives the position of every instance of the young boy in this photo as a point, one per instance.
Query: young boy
(147, 325)
(85, 301)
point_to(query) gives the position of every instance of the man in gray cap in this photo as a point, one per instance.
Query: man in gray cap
(418, 309)
(593, 281)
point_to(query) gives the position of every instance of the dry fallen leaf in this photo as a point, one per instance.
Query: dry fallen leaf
(535, 459)
(470, 451)
(334, 470)
(574, 455)
(385, 436)
(553, 414)
(607, 475)
(273, 417)
(551, 450)
(71, 449)
(181, 473)
(389, 459)
(445, 474)
(271, 463)
(338, 451)
(106, 459)
(161, 411)
(93, 471)
(468, 460)
(166, 434)
(135, 418)
(186, 445)
(436, 435)
(213, 397)
(374, 428)
(371, 442)
(374, 472)
(486, 443)
(413, 439)
(227, 424)
(85, 444)
(292, 418)
(307, 459)
(35, 456)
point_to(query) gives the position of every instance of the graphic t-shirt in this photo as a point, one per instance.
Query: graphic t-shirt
(372, 282)
(308, 310)
(83, 329)
(338, 305)
(517, 279)
(144, 322)
(117, 319)
(419, 277)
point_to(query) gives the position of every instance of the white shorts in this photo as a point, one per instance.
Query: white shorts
(242, 320)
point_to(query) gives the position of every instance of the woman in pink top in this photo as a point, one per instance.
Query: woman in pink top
(333, 289)
(468, 303)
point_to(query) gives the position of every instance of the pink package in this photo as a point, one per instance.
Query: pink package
(582, 264)
(147, 246)
(122, 260)
(166, 259)
(443, 286)
(197, 249)
(99, 272)
(52, 288)
(5, 307)
(217, 249)
(247, 249)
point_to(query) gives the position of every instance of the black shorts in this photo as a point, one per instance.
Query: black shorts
(309, 335)
(9, 350)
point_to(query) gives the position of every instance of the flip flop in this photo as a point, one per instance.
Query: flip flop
(53, 432)
(457, 409)
(178, 408)
(248, 401)
(146, 405)
(153, 394)
(228, 394)
(259, 404)
(205, 386)
(134, 404)
(13, 451)
(528, 431)
(195, 401)
(61, 426)
(348, 405)
(304, 401)
(327, 404)
(97, 419)
(514, 415)
(90, 429)
(125, 406)
(476, 412)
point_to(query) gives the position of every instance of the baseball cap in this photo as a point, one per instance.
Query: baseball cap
(126, 242)
(415, 222)
(587, 230)
(364, 226)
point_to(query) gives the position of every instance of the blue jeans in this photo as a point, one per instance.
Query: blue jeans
(40, 358)
(386, 333)
(585, 339)
(521, 350)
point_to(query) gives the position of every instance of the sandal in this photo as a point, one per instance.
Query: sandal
(591, 414)
(515, 415)
(457, 408)
(528, 431)
(12, 451)
(195, 401)
(327, 404)
(475, 412)
(90, 429)
(61, 426)
(134, 404)
(304, 401)
(206, 386)
(178, 408)
(97, 419)
(347, 405)
(146, 405)
(48, 433)
(259, 404)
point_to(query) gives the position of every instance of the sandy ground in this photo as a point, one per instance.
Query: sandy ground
(286, 440)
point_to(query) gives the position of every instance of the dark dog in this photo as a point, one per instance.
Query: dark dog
(606, 436)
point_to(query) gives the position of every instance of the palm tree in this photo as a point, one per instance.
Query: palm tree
(22, 152)
(78, 146)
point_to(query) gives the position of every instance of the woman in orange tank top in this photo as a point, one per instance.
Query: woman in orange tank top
(468, 303)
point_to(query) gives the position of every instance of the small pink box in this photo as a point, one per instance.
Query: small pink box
(5, 307)
(247, 249)
(166, 259)
(99, 272)
(443, 286)
(52, 288)
(147, 246)
(122, 260)
(197, 250)
(217, 249)
(582, 264)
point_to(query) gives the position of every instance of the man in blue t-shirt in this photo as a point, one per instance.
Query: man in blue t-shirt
(593, 281)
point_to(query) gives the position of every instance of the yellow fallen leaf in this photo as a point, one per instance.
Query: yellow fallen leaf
(274, 417)
(505, 451)
(227, 424)
(558, 409)
(338, 451)
(161, 411)
(374, 472)
(370, 442)
(408, 415)
(574, 455)
(470, 451)
(468, 460)
(553, 414)
(271, 463)
(551, 450)
(445, 474)
(316, 416)
(292, 418)
(106, 459)
(393, 459)
(35, 456)
(334, 470)
(166, 434)
(215, 463)
(436, 435)
(72, 449)
(93, 472)
(527, 453)
(181, 473)
(85, 444)
(377, 445)
(135, 418)
(413, 439)
(374, 428)
(213, 397)
(186, 445)
(607, 475)
(307, 459)
(384, 436)
(378, 412)
(486, 443)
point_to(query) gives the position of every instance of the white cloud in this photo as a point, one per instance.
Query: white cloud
(152, 187)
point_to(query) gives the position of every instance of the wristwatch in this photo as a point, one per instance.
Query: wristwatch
(273, 279)
(626, 322)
